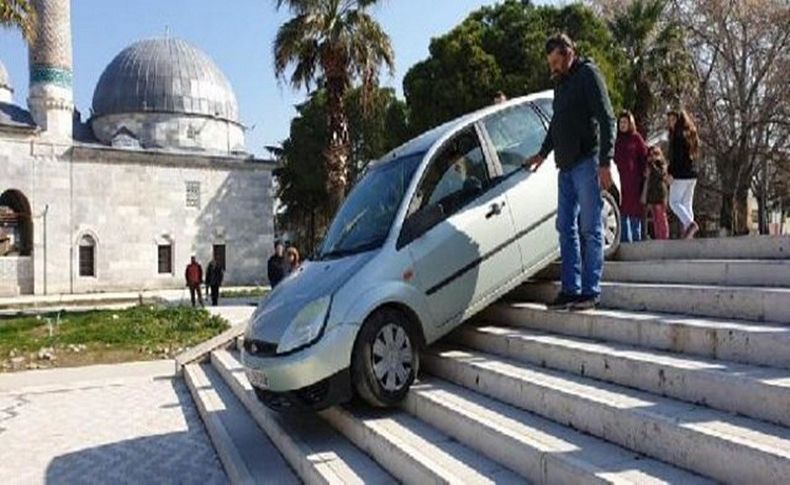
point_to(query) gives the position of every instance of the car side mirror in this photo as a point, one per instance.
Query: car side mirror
(420, 222)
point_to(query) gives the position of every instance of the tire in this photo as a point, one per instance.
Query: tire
(377, 382)
(612, 225)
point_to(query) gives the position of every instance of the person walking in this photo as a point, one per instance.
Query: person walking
(630, 152)
(683, 152)
(194, 278)
(214, 275)
(581, 134)
(656, 195)
(277, 266)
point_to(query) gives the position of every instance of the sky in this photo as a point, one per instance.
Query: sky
(238, 39)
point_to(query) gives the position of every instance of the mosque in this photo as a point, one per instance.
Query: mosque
(120, 200)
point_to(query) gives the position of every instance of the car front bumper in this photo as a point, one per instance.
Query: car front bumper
(305, 368)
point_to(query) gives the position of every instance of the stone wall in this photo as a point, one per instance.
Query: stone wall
(129, 201)
(180, 131)
(16, 275)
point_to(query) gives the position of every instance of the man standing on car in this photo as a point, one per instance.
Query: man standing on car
(581, 135)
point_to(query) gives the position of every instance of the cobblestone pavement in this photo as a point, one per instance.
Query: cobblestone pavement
(141, 427)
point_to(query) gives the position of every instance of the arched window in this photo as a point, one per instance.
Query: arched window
(87, 256)
(16, 224)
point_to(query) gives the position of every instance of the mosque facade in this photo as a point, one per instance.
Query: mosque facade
(156, 173)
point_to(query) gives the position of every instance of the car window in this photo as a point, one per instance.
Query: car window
(457, 174)
(516, 134)
(364, 220)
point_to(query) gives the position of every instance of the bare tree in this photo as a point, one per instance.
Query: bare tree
(740, 60)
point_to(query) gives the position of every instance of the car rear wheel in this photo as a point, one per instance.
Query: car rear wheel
(610, 214)
(386, 358)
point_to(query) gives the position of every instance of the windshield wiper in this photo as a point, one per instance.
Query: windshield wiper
(359, 248)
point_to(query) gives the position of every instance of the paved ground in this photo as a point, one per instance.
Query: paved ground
(128, 423)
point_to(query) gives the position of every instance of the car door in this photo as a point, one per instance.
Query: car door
(515, 134)
(461, 255)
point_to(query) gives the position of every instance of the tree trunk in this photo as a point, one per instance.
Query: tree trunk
(741, 213)
(642, 105)
(734, 215)
(337, 153)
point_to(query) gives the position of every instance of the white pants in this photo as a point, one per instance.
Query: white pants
(681, 198)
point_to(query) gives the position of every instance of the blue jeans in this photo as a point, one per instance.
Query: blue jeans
(632, 229)
(580, 199)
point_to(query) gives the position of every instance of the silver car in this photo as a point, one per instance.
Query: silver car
(434, 232)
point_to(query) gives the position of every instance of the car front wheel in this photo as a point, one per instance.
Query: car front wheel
(610, 214)
(385, 359)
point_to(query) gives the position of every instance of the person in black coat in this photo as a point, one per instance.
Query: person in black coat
(214, 274)
(277, 265)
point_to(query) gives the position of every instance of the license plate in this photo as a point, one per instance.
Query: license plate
(258, 379)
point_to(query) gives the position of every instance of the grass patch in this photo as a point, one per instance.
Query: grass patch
(103, 336)
(255, 292)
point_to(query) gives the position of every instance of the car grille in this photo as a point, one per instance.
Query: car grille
(305, 398)
(259, 348)
(314, 394)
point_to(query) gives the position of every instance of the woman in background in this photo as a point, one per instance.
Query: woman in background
(629, 155)
(292, 259)
(683, 152)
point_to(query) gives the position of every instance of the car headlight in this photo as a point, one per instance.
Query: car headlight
(307, 326)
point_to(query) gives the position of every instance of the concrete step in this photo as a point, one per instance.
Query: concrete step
(763, 272)
(314, 450)
(413, 451)
(736, 302)
(717, 384)
(742, 247)
(538, 449)
(735, 341)
(244, 449)
(705, 441)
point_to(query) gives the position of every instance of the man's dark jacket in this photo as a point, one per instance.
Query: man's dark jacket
(277, 269)
(582, 116)
(214, 274)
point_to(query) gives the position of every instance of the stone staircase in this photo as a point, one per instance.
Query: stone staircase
(683, 376)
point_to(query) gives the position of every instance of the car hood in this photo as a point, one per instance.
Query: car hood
(313, 280)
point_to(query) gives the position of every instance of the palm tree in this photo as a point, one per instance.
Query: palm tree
(654, 49)
(19, 14)
(332, 43)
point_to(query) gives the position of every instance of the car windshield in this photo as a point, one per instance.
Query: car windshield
(364, 219)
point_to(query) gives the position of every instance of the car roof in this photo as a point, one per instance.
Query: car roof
(425, 141)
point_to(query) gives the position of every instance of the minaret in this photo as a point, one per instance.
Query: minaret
(6, 90)
(51, 98)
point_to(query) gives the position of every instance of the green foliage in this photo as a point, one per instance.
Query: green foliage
(333, 44)
(246, 293)
(375, 127)
(501, 47)
(657, 66)
(19, 14)
(115, 329)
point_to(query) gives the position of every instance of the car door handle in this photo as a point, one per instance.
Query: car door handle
(495, 209)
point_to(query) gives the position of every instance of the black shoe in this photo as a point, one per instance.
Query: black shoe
(562, 302)
(585, 303)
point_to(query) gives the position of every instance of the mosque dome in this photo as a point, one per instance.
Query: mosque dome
(166, 93)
